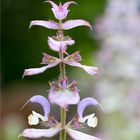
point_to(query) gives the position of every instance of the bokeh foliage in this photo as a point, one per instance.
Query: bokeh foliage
(22, 48)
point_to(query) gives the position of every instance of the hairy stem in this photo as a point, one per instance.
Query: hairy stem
(63, 111)
(63, 121)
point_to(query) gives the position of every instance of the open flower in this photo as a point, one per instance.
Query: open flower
(91, 120)
(33, 119)
(56, 44)
(54, 126)
(51, 61)
(60, 11)
(63, 94)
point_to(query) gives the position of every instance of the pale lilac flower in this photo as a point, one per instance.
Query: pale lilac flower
(56, 44)
(33, 119)
(60, 11)
(90, 119)
(73, 60)
(67, 94)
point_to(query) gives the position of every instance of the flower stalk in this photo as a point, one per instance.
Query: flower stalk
(63, 111)
(61, 92)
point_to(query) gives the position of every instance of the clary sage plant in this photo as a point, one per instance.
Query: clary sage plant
(61, 93)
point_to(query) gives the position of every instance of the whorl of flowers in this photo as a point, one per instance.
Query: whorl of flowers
(61, 92)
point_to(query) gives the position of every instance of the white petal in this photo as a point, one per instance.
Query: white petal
(76, 135)
(39, 116)
(38, 133)
(33, 120)
(92, 121)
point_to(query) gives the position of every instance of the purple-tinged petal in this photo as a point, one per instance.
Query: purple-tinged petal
(63, 98)
(43, 102)
(60, 12)
(69, 42)
(67, 4)
(55, 6)
(34, 71)
(38, 133)
(47, 24)
(74, 23)
(56, 45)
(48, 59)
(85, 103)
(73, 57)
(88, 69)
(63, 94)
(76, 135)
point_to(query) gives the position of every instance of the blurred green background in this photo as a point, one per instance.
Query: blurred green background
(22, 48)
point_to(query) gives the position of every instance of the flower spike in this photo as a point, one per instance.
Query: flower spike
(61, 92)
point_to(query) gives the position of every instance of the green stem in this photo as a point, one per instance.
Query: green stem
(63, 121)
(63, 111)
